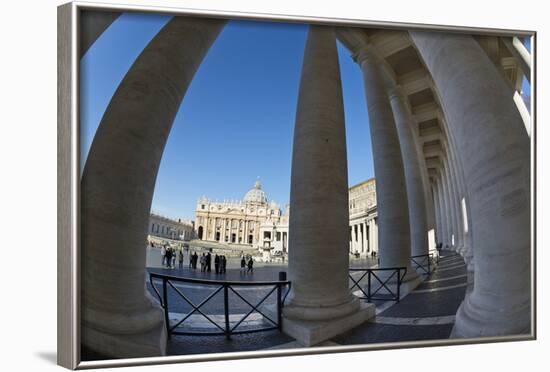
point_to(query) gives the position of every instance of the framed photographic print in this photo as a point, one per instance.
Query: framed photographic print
(237, 185)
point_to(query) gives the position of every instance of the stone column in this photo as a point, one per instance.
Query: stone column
(224, 225)
(452, 205)
(205, 232)
(391, 189)
(495, 153)
(92, 24)
(467, 252)
(447, 205)
(413, 176)
(458, 197)
(320, 305)
(442, 208)
(375, 234)
(119, 318)
(365, 238)
(455, 197)
(371, 235)
(435, 191)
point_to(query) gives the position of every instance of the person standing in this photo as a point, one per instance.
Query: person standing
(223, 264)
(243, 264)
(162, 255)
(203, 263)
(169, 254)
(217, 264)
(208, 262)
(195, 259)
(180, 258)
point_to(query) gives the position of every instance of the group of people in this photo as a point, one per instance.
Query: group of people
(247, 264)
(169, 255)
(220, 263)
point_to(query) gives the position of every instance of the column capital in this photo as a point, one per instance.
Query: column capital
(366, 53)
(395, 91)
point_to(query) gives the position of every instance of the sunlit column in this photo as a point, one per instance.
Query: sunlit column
(319, 188)
(413, 175)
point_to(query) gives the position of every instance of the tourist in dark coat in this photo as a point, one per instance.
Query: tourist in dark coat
(208, 262)
(243, 264)
(217, 264)
(223, 264)
(169, 254)
(180, 258)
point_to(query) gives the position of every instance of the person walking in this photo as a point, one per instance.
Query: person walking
(191, 258)
(162, 255)
(250, 266)
(217, 264)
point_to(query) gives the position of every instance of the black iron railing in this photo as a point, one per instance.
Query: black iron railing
(424, 262)
(227, 328)
(381, 284)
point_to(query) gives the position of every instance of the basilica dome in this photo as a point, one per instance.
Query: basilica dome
(256, 195)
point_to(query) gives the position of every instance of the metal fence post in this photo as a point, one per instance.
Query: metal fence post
(165, 301)
(279, 308)
(399, 284)
(368, 285)
(226, 310)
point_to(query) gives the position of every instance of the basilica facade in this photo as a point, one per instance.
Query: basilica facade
(256, 222)
(252, 221)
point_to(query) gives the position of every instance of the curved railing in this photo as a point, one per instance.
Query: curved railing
(227, 328)
(382, 283)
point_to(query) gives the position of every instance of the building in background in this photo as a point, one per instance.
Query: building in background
(256, 222)
(253, 221)
(175, 229)
(363, 225)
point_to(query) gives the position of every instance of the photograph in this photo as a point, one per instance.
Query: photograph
(252, 185)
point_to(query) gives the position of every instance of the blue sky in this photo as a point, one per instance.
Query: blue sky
(236, 121)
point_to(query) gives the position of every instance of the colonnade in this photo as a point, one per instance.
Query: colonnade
(494, 150)
(485, 162)
(231, 230)
(363, 236)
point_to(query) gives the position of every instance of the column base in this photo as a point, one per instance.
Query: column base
(313, 332)
(109, 341)
(474, 321)
(113, 346)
